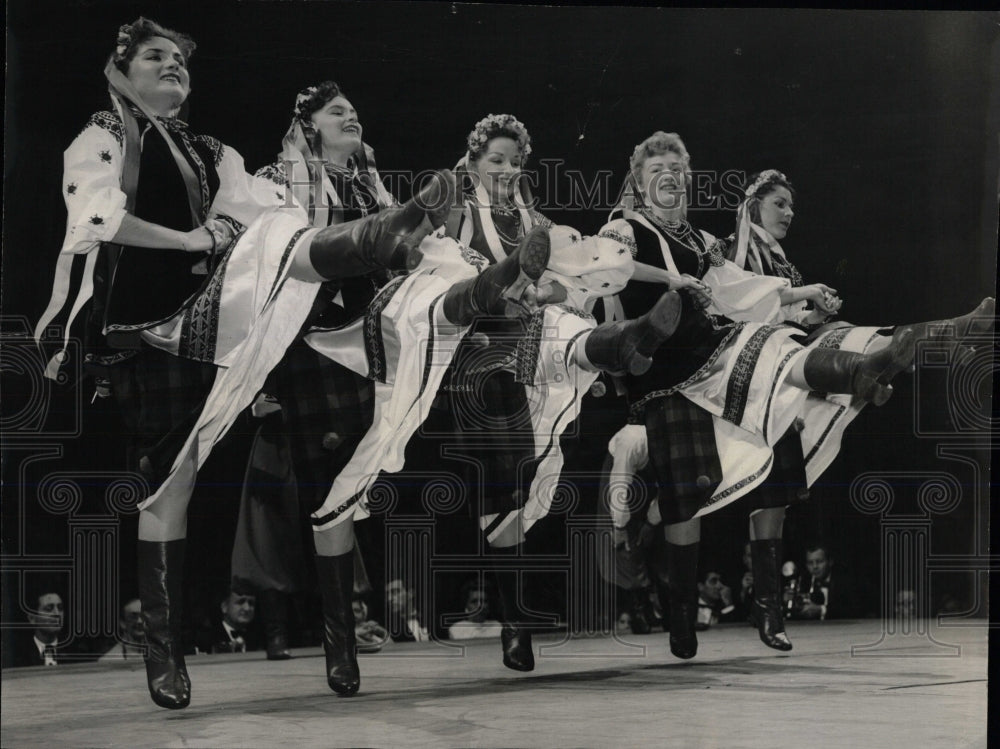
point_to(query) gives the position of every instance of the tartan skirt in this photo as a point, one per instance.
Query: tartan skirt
(683, 454)
(326, 410)
(159, 397)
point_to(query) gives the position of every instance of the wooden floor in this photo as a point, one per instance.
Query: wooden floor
(591, 692)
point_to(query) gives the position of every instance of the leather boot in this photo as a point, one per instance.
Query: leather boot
(630, 345)
(864, 375)
(956, 330)
(489, 292)
(682, 569)
(387, 239)
(336, 584)
(515, 637)
(766, 611)
(160, 572)
(273, 606)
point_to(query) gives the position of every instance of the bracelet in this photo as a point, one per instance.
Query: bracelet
(212, 235)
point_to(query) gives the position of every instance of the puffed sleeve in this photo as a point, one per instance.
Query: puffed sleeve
(591, 267)
(92, 168)
(629, 455)
(741, 294)
(245, 196)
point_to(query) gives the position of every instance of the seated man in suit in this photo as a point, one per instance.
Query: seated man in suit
(231, 634)
(402, 617)
(42, 646)
(715, 601)
(131, 643)
(828, 591)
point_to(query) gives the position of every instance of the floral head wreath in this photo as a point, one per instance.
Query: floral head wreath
(487, 128)
(763, 178)
(124, 41)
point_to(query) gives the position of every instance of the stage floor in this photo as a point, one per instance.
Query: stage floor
(589, 692)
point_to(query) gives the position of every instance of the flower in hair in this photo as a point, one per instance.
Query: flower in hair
(304, 101)
(763, 178)
(487, 127)
(124, 41)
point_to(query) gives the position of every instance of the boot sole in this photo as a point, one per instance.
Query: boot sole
(652, 329)
(532, 260)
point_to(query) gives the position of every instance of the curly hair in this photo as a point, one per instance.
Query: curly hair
(313, 98)
(131, 36)
(658, 144)
(761, 184)
(498, 126)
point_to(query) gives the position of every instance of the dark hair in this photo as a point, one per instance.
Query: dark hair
(769, 185)
(819, 546)
(132, 35)
(314, 98)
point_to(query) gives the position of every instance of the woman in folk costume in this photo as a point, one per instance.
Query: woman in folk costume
(145, 199)
(802, 454)
(325, 407)
(510, 401)
(726, 386)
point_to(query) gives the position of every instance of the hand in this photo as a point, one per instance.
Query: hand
(824, 297)
(222, 231)
(699, 292)
(727, 596)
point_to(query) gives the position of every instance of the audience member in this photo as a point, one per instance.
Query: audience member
(41, 645)
(828, 591)
(478, 610)
(401, 613)
(131, 643)
(623, 625)
(371, 636)
(744, 598)
(715, 601)
(231, 634)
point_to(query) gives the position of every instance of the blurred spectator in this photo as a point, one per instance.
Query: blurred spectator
(744, 597)
(906, 604)
(715, 601)
(623, 625)
(828, 591)
(131, 643)
(401, 613)
(478, 610)
(371, 635)
(41, 645)
(231, 634)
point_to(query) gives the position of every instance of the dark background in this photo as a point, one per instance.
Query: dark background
(886, 122)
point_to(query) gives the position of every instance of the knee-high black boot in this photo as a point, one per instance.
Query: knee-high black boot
(387, 239)
(682, 569)
(864, 375)
(487, 293)
(629, 346)
(957, 329)
(336, 583)
(767, 610)
(160, 572)
(515, 637)
(273, 606)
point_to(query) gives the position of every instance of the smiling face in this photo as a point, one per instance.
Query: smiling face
(662, 182)
(159, 74)
(498, 167)
(776, 212)
(338, 127)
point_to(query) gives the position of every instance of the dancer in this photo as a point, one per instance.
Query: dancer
(725, 388)
(146, 200)
(801, 455)
(326, 408)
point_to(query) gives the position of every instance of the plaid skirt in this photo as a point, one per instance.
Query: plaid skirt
(160, 397)
(683, 452)
(326, 410)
